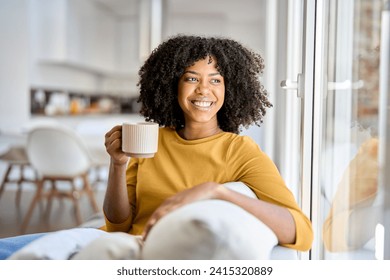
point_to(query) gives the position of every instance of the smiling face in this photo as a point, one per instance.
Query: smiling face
(201, 93)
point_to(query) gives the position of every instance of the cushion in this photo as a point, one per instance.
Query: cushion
(212, 230)
(58, 245)
(10, 245)
(113, 246)
(209, 229)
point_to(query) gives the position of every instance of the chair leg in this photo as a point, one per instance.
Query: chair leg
(20, 185)
(18, 195)
(36, 198)
(5, 180)
(90, 193)
(75, 198)
(50, 196)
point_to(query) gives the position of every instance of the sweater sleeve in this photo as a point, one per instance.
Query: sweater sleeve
(131, 180)
(248, 164)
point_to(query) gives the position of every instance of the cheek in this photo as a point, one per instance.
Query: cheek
(181, 104)
(184, 91)
(221, 95)
(181, 98)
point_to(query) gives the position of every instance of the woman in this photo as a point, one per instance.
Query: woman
(201, 91)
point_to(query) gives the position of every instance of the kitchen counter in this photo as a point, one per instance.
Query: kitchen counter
(91, 129)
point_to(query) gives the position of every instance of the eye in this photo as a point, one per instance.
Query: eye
(191, 79)
(215, 81)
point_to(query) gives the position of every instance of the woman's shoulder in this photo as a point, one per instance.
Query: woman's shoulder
(241, 145)
(243, 149)
(241, 140)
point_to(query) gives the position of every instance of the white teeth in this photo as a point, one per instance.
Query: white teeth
(202, 103)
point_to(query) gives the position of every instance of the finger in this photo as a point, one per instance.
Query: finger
(115, 145)
(147, 228)
(114, 135)
(156, 216)
(112, 130)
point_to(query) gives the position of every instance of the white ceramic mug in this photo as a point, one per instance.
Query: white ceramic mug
(140, 140)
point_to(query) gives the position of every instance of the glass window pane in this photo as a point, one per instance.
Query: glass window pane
(349, 168)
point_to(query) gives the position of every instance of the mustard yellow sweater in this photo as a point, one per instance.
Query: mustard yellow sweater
(181, 164)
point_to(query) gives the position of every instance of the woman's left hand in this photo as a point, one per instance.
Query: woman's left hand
(202, 191)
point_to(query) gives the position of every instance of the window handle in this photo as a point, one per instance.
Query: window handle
(298, 85)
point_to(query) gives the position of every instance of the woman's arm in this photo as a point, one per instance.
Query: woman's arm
(116, 204)
(277, 218)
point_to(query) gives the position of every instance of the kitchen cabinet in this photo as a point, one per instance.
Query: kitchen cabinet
(91, 35)
(83, 35)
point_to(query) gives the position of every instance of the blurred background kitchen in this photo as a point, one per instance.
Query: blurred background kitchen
(74, 63)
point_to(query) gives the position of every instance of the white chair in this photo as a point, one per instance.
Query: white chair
(58, 154)
(92, 132)
(15, 157)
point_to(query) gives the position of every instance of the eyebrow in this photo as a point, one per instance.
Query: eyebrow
(196, 73)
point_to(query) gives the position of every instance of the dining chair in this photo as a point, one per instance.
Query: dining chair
(17, 166)
(93, 133)
(16, 158)
(58, 154)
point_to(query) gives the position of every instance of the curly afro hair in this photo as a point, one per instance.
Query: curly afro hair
(245, 97)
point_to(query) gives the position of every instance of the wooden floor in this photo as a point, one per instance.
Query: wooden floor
(61, 216)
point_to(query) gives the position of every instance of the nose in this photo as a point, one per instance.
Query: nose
(203, 88)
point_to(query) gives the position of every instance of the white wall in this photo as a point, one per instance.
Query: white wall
(14, 67)
(128, 58)
(92, 35)
(243, 20)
